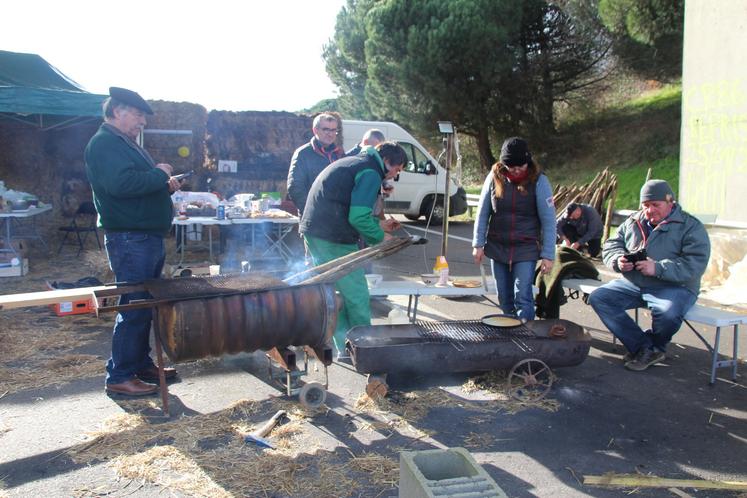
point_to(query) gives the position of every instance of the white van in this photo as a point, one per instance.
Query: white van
(421, 183)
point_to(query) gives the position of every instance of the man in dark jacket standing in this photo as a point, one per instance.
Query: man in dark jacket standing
(581, 227)
(665, 278)
(372, 138)
(132, 196)
(310, 159)
(338, 212)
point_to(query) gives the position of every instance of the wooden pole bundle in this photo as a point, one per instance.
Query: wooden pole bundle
(600, 191)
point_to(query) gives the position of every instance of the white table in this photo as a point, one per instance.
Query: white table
(414, 289)
(8, 218)
(275, 239)
(207, 221)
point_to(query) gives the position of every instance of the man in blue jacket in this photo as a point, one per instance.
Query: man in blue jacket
(132, 196)
(661, 252)
(338, 212)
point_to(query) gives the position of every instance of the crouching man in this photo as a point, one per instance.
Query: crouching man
(662, 252)
(581, 228)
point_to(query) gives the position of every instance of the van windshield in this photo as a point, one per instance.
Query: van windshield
(416, 160)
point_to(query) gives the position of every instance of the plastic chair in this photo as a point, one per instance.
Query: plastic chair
(83, 223)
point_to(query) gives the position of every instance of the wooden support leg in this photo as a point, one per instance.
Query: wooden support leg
(162, 378)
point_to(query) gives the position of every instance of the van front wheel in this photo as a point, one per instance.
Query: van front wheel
(438, 210)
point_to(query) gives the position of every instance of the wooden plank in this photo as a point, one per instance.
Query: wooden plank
(43, 298)
(639, 481)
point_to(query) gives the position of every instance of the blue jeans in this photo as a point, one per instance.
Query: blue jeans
(133, 257)
(514, 286)
(668, 307)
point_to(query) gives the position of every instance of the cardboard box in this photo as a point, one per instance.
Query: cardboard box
(15, 271)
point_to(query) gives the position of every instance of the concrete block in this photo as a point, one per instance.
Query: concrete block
(444, 473)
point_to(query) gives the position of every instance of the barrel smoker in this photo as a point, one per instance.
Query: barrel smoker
(528, 349)
(199, 317)
(202, 317)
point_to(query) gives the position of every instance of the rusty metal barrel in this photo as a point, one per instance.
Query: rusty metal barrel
(245, 321)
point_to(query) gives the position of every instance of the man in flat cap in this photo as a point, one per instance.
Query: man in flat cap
(661, 252)
(132, 196)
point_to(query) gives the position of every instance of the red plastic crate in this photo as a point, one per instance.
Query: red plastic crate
(71, 307)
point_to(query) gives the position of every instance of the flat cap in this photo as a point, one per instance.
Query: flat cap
(656, 190)
(130, 98)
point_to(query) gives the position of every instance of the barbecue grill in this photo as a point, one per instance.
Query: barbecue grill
(529, 350)
(198, 317)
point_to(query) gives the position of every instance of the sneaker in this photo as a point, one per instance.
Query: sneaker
(628, 357)
(644, 359)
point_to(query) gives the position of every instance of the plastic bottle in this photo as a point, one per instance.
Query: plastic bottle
(179, 204)
(442, 270)
(221, 211)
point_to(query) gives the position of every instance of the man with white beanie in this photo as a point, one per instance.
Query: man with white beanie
(661, 252)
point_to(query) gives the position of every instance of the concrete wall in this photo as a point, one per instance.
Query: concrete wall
(713, 149)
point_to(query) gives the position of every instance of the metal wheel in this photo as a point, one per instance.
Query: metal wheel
(312, 395)
(529, 380)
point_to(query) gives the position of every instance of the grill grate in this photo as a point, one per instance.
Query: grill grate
(177, 288)
(465, 331)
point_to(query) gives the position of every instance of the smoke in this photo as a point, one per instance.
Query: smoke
(254, 247)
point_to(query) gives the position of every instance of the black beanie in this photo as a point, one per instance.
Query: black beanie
(515, 152)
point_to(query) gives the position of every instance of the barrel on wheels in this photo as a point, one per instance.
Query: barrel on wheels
(192, 329)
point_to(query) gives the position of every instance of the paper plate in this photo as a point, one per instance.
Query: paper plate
(502, 321)
(467, 284)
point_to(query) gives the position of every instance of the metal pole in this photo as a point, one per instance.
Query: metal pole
(447, 200)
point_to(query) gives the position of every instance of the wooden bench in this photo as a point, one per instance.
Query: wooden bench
(705, 315)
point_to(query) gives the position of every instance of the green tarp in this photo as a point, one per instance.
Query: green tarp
(29, 85)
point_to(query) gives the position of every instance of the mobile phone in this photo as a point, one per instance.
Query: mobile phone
(184, 175)
(634, 257)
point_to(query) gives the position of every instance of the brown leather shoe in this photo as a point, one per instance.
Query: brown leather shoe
(151, 374)
(133, 387)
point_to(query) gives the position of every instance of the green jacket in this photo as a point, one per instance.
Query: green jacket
(130, 193)
(679, 245)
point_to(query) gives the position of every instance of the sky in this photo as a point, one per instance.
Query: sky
(237, 55)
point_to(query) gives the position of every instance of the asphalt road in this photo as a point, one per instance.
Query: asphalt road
(666, 422)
